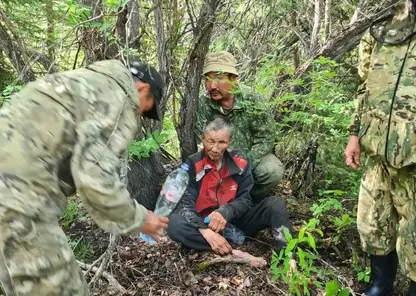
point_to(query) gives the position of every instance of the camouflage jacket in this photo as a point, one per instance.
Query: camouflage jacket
(385, 115)
(254, 129)
(67, 131)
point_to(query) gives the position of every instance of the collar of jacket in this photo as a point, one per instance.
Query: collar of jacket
(121, 74)
(229, 162)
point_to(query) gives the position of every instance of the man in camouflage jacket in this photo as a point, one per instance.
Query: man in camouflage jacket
(384, 127)
(254, 127)
(63, 133)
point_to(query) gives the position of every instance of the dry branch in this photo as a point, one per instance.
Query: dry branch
(111, 280)
(227, 259)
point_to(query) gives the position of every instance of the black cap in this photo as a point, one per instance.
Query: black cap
(151, 76)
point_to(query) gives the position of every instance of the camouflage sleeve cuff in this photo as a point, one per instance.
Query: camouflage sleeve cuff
(354, 128)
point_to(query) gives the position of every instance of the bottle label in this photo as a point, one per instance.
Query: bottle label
(168, 191)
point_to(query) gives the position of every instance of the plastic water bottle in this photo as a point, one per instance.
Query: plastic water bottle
(231, 233)
(171, 193)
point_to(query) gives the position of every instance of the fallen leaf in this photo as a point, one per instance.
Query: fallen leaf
(207, 279)
(236, 281)
(246, 282)
(223, 285)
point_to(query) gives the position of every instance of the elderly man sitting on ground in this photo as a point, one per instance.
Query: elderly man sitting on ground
(219, 188)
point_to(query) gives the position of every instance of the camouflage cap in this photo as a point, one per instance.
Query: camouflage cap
(151, 76)
(221, 61)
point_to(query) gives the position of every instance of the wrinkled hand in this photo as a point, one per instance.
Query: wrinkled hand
(218, 243)
(352, 152)
(217, 222)
(153, 225)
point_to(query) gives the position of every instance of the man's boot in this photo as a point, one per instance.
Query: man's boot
(412, 289)
(383, 274)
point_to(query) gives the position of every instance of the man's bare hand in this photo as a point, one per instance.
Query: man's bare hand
(218, 243)
(352, 152)
(217, 222)
(153, 225)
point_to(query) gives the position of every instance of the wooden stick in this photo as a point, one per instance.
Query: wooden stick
(106, 258)
(111, 280)
(227, 259)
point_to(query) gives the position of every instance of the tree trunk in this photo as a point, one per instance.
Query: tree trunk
(164, 60)
(202, 31)
(360, 6)
(316, 25)
(327, 19)
(146, 177)
(14, 50)
(91, 39)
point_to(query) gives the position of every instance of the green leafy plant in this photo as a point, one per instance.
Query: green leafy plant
(8, 92)
(143, 148)
(332, 288)
(364, 275)
(82, 249)
(298, 280)
(71, 214)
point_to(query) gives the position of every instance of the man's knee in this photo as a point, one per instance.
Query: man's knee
(269, 171)
(277, 209)
(275, 204)
(176, 226)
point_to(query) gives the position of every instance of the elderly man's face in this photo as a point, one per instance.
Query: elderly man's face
(215, 143)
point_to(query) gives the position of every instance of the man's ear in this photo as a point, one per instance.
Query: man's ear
(142, 86)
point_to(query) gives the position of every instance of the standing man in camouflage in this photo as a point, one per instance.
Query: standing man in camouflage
(254, 126)
(63, 133)
(384, 127)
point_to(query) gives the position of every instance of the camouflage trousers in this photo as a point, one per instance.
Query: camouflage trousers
(267, 175)
(36, 259)
(386, 217)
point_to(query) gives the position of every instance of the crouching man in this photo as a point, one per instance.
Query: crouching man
(220, 182)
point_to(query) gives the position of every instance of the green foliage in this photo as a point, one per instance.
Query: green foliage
(298, 280)
(143, 148)
(318, 107)
(8, 92)
(71, 213)
(333, 289)
(82, 249)
(364, 275)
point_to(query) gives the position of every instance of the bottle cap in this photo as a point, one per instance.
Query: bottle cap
(185, 166)
(207, 220)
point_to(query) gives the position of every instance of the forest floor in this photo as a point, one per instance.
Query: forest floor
(170, 269)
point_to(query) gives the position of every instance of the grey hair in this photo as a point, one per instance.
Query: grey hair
(218, 124)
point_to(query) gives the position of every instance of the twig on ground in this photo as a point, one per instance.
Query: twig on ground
(275, 287)
(341, 278)
(106, 259)
(94, 264)
(111, 279)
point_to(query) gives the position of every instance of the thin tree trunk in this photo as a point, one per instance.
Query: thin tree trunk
(295, 49)
(316, 25)
(327, 19)
(50, 30)
(163, 58)
(202, 36)
(358, 11)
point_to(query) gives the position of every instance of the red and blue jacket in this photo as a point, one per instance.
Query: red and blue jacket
(226, 191)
